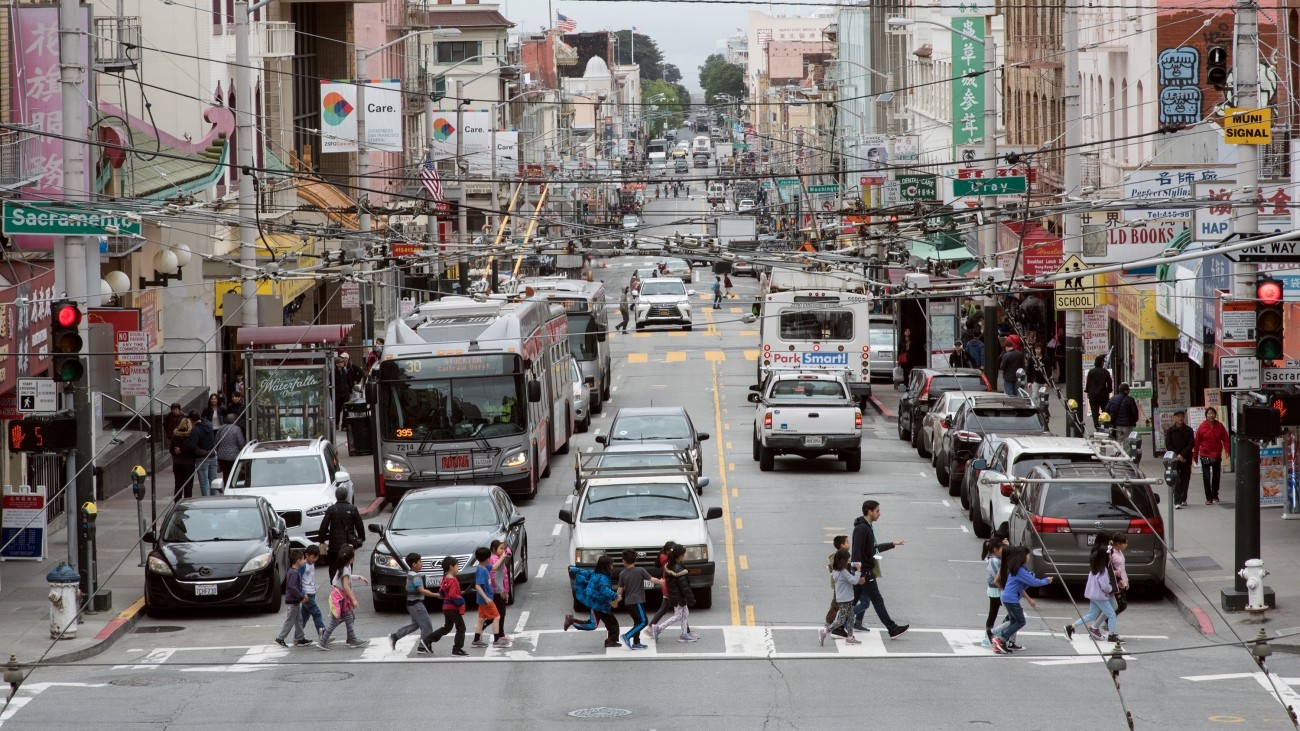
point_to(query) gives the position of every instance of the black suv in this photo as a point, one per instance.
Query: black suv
(987, 413)
(923, 389)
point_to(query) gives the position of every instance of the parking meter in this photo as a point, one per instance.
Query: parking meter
(88, 513)
(1135, 446)
(137, 482)
(1171, 469)
(1022, 380)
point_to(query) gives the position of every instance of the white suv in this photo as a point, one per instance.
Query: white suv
(663, 301)
(990, 504)
(297, 476)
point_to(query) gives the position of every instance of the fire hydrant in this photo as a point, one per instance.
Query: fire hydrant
(64, 582)
(1254, 574)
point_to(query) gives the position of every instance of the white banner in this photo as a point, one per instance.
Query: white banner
(476, 142)
(383, 115)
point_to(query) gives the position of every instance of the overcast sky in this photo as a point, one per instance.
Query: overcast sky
(686, 32)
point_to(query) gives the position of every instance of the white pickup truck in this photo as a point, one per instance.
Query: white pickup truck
(808, 414)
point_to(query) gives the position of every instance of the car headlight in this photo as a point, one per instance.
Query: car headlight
(395, 467)
(385, 561)
(518, 459)
(697, 553)
(158, 566)
(257, 563)
(587, 556)
(318, 510)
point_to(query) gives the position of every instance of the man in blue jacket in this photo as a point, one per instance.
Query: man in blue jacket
(864, 549)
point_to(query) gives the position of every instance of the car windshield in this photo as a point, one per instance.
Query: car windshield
(943, 384)
(803, 324)
(461, 511)
(663, 288)
(657, 426)
(676, 264)
(655, 501)
(451, 409)
(951, 402)
(199, 523)
(1025, 465)
(882, 339)
(996, 420)
(275, 471)
(1097, 501)
(809, 389)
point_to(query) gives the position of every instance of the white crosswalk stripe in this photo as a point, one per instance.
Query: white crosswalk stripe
(716, 642)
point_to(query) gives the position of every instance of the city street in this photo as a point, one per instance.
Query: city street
(758, 664)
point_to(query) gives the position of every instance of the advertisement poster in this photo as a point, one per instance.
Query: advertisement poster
(1173, 385)
(475, 141)
(338, 115)
(22, 533)
(289, 402)
(1142, 395)
(1272, 476)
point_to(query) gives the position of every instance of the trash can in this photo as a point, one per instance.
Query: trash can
(361, 437)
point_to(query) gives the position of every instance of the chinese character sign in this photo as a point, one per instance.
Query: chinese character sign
(967, 91)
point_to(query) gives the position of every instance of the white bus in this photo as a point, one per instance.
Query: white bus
(475, 392)
(702, 144)
(588, 313)
(818, 321)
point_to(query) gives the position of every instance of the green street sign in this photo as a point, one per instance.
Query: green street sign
(990, 186)
(53, 218)
(918, 187)
(742, 146)
(788, 182)
(832, 188)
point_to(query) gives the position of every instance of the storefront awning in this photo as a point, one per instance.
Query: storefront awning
(331, 335)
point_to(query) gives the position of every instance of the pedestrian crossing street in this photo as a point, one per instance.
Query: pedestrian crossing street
(725, 642)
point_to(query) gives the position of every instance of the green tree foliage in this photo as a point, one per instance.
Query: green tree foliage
(670, 105)
(672, 74)
(719, 77)
(646, 53)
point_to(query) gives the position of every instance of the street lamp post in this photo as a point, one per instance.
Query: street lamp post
(988, 232)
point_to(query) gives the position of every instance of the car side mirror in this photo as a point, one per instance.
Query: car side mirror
(899, 387)
(589, 380)
(372, 392)
(947, 423)
(341, 477)
(702, 436)
(602, 439)
(897, 376)
(756, 387)
(149, 537)
(601, 337)
(566, 516)
(1014, 497)
(516, 521)
(713, 513)
(690, 292)
(979, 464)
(534, 391)
(1155, 496)
(375, 528)
(753, 398)
(702, 482)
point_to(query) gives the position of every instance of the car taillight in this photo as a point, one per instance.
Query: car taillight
(767, 420)
(1145, 526)
(969, 436)
(857, 419)
(1006, 489)
(1050, 525)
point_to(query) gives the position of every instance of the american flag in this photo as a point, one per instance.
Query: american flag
(565, 24)
(432, 183)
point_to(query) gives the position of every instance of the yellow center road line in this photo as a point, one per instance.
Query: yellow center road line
(715, 355)
(729, 538)
(675, 356)
(744, 562)
(712, 327)
(638, 358)
(751, 355)
(749, 615)
(740, 524)
(640, 335)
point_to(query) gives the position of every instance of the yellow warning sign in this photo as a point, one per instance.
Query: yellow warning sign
(1248, 126)
(1077, 291)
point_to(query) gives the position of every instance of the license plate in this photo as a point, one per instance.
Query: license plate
(649, 584)
(1092, 538)
(813, 441)
(205, 590)
(432, 583)
(454, 462)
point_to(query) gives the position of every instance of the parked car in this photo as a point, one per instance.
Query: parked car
(220, 551)
(679, 268)
(883, 338)
(745, 205)
(670, 426)
(1061, 521)
(663, 301)
(932, 428)
(979, 415)
(297, 476)
(1015, 456)
(581, 395)
(445, 521)
(925, 386)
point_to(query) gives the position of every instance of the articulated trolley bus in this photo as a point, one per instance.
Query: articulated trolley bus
(588, 313)
(473, 391)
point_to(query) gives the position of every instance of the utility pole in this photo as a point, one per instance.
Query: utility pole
(245, 163)
(988, 232)
(462, 218)
(363, 204)
(1073, 228)
(1246, 224)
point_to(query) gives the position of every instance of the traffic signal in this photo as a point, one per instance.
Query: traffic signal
(56, 434)
(66, 342)
(1269, 320)
(1216, 67)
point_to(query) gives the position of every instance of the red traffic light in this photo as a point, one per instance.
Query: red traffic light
(66, 314)
(1268, 291)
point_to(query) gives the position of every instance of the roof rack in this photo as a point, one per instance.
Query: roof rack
(588, 466)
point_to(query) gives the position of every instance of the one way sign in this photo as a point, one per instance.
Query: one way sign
(37, 396)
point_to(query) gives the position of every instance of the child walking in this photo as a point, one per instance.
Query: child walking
(309, 606)
(1118, 580)
(343, 602)
(665, 554)
(632, 581)
(992, 557)
(453, 607)
(594, 588)
(487, 608)
(1098, 592)
(680, 597)
(293, 597)
(838, 542)
(415, 594)
(846, 576)
(1014, 578)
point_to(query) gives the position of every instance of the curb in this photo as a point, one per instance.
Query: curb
(884, 410)
(124, 623)
(372, 509)
(1197, 617)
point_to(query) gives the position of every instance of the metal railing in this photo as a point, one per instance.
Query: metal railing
(18, 156)
(117, 43)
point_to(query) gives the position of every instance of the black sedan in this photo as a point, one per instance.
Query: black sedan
(223, 551)
(437, 522)
(670, 426)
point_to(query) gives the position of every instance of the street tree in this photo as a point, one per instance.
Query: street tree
(719, 77)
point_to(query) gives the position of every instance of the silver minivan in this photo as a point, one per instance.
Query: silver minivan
(1061, 522)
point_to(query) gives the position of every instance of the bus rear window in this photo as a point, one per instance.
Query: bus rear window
(816, 325)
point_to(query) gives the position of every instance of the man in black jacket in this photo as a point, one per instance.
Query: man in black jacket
(864, 549)
(1179, 439)
(1098, 385)
(1124, 414)
(340, 527)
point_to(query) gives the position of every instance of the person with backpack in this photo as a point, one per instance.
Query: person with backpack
(680, 597)
(595, 588)
(1098, 591)
(1124, 413)
(293, 597)
(416, 591)
(341, 528)
(1098, 386)
(203, 444)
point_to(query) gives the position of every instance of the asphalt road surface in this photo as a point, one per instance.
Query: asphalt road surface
(758, 664)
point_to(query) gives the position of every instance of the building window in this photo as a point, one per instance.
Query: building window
(455, 51)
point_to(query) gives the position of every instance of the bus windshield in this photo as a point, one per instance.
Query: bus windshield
(452, 408)
(807, 324)
(582, 337)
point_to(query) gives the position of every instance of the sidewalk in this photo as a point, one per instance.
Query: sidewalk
(1201, 563)
(25, 631)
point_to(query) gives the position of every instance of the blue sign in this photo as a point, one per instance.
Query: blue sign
(22, 532)
(825, 359)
